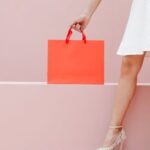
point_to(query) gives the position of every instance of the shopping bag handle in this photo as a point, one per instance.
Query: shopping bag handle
(70, 33)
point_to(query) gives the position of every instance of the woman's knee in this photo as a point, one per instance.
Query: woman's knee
(131, 65)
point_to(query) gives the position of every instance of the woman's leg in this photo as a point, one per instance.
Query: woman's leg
(130, 67)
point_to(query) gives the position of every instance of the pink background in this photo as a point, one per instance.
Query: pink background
(62, 117)
(27, 25)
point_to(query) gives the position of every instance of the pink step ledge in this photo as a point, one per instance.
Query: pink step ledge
(37, 116)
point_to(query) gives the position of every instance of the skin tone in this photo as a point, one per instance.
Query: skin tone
(130, 67)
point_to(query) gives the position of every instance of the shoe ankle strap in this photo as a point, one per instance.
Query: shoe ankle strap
(115, 126)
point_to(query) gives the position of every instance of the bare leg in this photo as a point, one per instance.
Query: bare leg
(130, 67)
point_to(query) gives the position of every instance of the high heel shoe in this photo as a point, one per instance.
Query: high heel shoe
(119, 140)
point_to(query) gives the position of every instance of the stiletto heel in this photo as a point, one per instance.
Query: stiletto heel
(121, 145)
(118, 141)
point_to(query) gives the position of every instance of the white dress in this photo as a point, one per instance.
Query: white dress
(136, 38)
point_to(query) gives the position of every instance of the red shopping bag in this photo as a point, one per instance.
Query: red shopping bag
(75, 61)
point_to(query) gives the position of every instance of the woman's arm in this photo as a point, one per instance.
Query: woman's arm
(82, 21)
(92, 5)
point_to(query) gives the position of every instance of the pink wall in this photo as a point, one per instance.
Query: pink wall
(59, 117)
(27, 25)
(39, 117)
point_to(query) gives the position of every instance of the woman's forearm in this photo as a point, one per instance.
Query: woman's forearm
(93, 4)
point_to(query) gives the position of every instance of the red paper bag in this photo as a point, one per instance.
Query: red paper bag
(75, 61)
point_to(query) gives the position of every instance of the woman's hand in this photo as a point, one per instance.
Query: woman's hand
(80, 23)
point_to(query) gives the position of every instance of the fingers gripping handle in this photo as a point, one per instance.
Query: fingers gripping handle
(70, 33)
